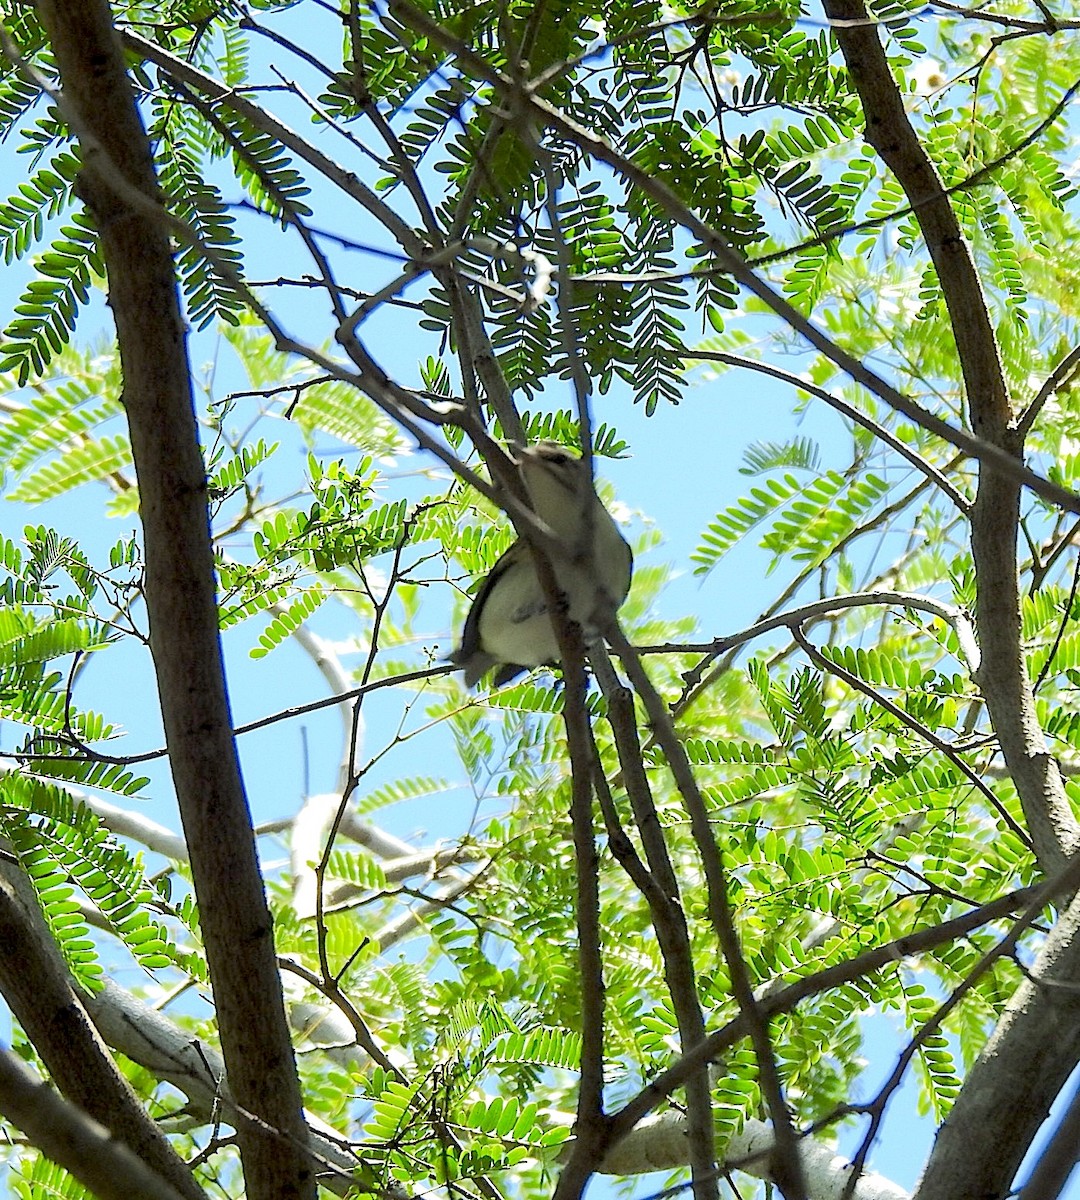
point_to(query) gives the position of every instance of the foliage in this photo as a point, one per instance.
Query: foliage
(843, 755)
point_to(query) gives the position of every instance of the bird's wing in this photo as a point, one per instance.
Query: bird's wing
(470, 635)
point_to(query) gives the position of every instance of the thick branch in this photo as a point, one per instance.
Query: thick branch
(659, 885)
(660, 1145)
(1009, 1090)
(1036, 1044)
(181, 600)
(150, 1038)
(995, 515)
(36, 986)
(69, 1137)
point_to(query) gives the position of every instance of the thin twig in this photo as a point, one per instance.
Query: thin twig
(848, 410)
(659, 885)
(514, 96)
(894, 710)
(787, 1164)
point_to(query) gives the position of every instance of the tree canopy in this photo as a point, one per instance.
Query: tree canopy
(415, 237)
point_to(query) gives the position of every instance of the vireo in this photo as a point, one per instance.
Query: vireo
(508, 626)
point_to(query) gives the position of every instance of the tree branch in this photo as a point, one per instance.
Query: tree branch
(181, 598)
(847, 410)
(786, 998)
(75, 1141)
(150, 1039)
(660, 1145)
(785, 1161)
(36, 985)
(995, 515)
(729, 260)
(1056, 1163)
(659, 886)
(1023, 1066)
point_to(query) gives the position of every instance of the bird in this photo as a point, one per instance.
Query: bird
(508, 626)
